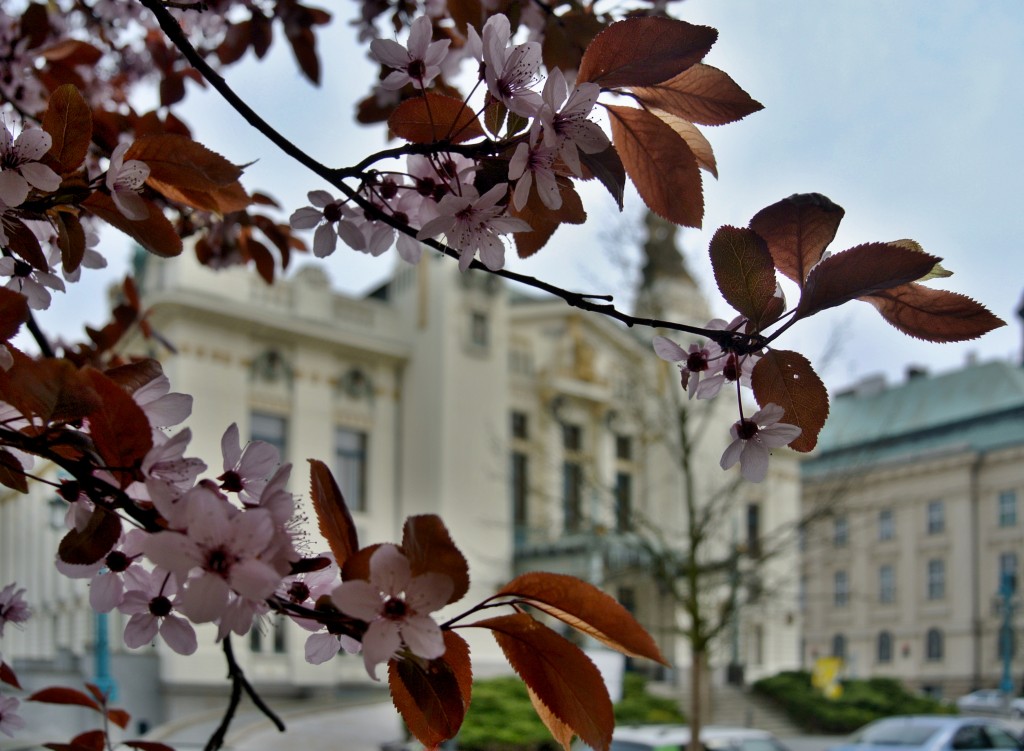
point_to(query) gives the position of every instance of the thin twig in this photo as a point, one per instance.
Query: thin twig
(239, 683)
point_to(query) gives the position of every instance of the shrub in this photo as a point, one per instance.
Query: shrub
(861, 702)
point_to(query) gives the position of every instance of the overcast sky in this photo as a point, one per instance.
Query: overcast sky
(906, 114)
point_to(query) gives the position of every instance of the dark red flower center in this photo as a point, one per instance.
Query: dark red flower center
(118, 561)
(696, 362)
(746, 429)
(417, 69)
(395, 609)
(218, 561)
(731, 371)
(231, 481)
(298, 591)
(160, 606)
(332, 212)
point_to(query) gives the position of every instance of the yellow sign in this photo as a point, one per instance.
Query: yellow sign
(825, 676)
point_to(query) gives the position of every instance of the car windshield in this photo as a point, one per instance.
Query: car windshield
(895, 734)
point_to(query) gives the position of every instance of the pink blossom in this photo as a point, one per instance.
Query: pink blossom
(20, 169)
(566, 127)
(752, 439)
(509, 72)
(472, 223)
(221, 552)
(107, 574)
(324, 214)
(533, 162)
(13, 608)
(323, 646)
(696, 360)
(396, 605)
(150, 601)
(246, 471)
(168, 472)
(33, 283)
(124, 181)
(163, 409)
(418, 63)
(10, 720)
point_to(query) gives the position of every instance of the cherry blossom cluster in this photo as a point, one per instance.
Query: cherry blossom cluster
(437, 194)
(704, 368)
(13, 609)
(24, 180)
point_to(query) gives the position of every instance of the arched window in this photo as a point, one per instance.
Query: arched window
(933, 649)
(884, 646)
(839, 646)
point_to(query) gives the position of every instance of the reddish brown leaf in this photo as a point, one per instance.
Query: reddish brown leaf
(701, 94)
(607, 167)
(12, 473)
(134, 375)
(745, 273)
(70, 240)
(13, 312)
(119, 429)
(433, 697)
(644, 51)
(934, 315)
(181, 162)
(558, 672)
(544, 221)
(62, 695)
(90, 740)
(49, 390)
(660, 164)
(303, 43)
(797, 230)
(72, 52)
(429, 547)
(787, 379)
(92, 543)
(466, 13)
(434, 117)
(68, 120)
(586, 608)
(699, 145)
(567, 36)
(97, 694)
(119, 717)
(860, 271)
(332, 514)
(23, 242)
(560, 731)
(154, 233)
(7, 675)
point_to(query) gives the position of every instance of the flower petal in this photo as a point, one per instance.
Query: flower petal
(380, 643)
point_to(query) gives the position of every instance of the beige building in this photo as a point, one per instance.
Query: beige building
(925, 480)
(538, 433)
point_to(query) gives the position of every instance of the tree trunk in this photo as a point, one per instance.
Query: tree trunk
(699, 709)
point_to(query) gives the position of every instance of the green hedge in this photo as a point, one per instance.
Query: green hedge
(501, 717)
(861, 702)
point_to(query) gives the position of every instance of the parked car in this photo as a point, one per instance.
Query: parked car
(990, 701)
(932, 733)
(677, 737)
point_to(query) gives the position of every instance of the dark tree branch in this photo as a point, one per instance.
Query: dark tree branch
(239, 683)
(736, 341)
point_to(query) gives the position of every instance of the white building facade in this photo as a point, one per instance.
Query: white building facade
(530, 428)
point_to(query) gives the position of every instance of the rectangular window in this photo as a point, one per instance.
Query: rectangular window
(520, 426)
(572, 437)
(623, 501)
(520, 486)
(1007, 572)
(886, 527)
(1008, 508)
(754, 530)
(841, 592)
(841, 531)
(479, 329)
(350, 466)
(936, 579)
(272, 429)
(572, 496)
(936, 518)
(623, 447)
(886, 584)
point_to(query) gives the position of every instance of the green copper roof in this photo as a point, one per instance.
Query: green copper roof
(978, 407)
